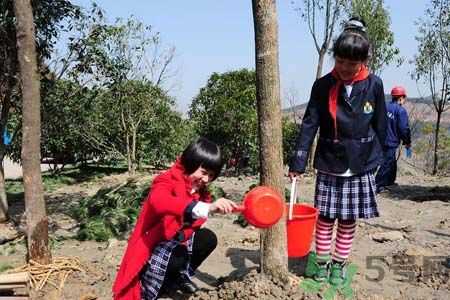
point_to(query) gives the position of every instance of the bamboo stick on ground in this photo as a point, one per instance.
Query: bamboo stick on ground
(14, 278)
(58, 271)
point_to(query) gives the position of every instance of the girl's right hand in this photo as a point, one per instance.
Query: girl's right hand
(223, 206)
(295, 174)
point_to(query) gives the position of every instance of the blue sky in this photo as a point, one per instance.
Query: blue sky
(217, 36)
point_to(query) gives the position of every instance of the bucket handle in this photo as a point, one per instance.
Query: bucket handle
(292, 196)
(239, 209)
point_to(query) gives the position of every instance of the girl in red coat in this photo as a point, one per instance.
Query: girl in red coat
(168, 242)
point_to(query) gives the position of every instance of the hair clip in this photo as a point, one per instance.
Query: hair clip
(355, 24)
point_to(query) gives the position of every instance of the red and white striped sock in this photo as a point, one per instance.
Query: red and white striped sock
(344, 240)
(324, 233)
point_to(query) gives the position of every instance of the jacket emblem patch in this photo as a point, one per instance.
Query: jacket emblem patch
(368, 109)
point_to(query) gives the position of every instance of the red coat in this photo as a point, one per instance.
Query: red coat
(160, 219)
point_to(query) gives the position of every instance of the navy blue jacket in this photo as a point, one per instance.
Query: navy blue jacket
(398, 125)
(361, 123)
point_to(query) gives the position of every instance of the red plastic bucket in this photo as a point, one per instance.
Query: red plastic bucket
(300, 229)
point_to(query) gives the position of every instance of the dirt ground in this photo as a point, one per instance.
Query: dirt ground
(400, 255)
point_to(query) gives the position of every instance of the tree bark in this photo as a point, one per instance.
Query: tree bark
(273, 240)
(36, 216)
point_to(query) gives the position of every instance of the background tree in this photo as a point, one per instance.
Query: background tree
(165, 136)
(65, 108)
(141, 127)
(37, 221)
(383, 51)
(225, 112)
(290, 132)
(321, 16)
(48, 15)
(273, 240)
(115, 58)
(432, 63)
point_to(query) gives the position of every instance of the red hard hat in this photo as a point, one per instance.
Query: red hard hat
(398, 91)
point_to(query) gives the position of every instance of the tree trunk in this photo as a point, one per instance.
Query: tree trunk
(133, 152)
(6, 104)
(322, 53)
(128, 142)
(36, 216)
(436, 142)
(129, 163)
(273, 240)
(3, 198)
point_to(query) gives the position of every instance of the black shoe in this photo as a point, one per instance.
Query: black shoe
(381, 190)
(185, 284)
(167, 288)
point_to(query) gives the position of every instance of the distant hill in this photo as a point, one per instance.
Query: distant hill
(419, 110)
(425, 100)
(301, 107)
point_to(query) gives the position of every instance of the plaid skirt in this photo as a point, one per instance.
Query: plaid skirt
(153, 274)
(346, 198)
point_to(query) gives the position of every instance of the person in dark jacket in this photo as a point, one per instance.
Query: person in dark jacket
(348, 108)
(169, 241)
(397, 132)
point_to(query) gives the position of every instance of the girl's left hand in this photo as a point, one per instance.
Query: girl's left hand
(223, 206)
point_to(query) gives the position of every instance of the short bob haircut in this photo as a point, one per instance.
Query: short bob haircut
(202, 153)
(353, 43)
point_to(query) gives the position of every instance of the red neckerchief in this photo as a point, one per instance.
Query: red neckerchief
(362, 74)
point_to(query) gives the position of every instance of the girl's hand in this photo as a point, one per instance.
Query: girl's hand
(295, 174)
(223, 206)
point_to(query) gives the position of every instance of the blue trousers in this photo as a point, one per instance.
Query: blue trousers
(388, 170)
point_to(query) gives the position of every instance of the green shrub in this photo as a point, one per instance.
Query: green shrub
(111, 212)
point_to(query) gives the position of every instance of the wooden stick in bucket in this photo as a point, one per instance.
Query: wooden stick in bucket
(293, 196)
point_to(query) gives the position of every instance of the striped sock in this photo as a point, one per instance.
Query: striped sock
(344, 240)
(324, 232)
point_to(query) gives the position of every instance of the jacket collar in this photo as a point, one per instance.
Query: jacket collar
(178, 173)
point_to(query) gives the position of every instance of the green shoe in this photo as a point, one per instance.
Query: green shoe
(337, 274)
(322, 272)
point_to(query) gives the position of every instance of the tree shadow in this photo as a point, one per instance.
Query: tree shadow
(60, 204)
(16, 207)
(174, 295)
(381, 226)
(88, 172)
(440, 234)
(238, 257)
(64, 203)
(69, 176)
(419, 193)
(243, 260)
(206, 278)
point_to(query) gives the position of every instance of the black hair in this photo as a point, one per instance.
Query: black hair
(202, 153)
(396, 98)
(353, 42)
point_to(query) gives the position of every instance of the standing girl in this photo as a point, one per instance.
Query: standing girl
(168, 242)
(348, 107)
